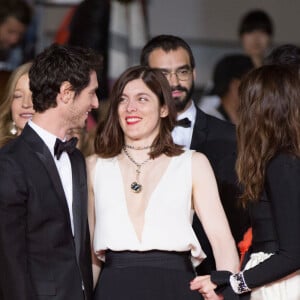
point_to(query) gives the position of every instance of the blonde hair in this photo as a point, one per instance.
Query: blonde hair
(5, 106)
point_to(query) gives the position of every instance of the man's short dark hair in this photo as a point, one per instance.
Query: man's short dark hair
(58, 64)
(18, 9)
(287, 54)
(256, 20)
(166, 43)
(228, 68)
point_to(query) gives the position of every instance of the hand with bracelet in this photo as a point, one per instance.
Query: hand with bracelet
(220, 285)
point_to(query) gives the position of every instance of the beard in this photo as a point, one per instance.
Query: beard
(181, 104)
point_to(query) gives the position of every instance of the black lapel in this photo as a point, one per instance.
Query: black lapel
(40, 148)
(199, 131)
(79, 200)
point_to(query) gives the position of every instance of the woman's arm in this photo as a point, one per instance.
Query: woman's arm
(96, 264)
(209, 209)
(282, 187)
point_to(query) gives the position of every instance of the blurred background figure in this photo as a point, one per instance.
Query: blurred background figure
(256, 33)
(15, 17)
(287, 54)
(4, 75)
(16, 108)
(128, 33)
(227, 75)
(88, 27)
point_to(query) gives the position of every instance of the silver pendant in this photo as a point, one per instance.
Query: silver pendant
(136, 187)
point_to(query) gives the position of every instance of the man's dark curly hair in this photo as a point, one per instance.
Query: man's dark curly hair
(56, 65)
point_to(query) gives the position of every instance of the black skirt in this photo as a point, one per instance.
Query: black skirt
(150, 275)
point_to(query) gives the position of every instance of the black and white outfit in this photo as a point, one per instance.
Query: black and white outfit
(45, 245)
(273, 270)
(160, 265)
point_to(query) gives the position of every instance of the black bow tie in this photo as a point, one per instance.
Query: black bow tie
(184, 123)
(68, 146)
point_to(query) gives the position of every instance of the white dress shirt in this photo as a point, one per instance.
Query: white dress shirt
(181, 135)
(63, 165)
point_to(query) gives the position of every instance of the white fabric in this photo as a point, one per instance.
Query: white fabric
(127, 36)
(287, 288)
(183, 136)
(168, 216)
(63, 166)
(209, 102)
(213, 111)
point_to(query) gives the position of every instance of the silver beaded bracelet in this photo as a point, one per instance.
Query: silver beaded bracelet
(238, 284)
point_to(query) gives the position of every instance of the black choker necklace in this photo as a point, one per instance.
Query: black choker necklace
(137, 148)
(136, 186)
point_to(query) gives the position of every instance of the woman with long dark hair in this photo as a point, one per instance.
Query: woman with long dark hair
(143, 191)
(268, 168)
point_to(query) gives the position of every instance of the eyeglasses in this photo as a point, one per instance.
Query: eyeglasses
(181, 74)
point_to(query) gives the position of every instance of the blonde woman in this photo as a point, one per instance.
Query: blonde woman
(16, 106)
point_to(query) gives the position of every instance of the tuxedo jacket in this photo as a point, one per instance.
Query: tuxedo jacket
(39, 256)
(217, 140)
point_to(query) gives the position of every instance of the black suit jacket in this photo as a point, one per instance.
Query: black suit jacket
(217, 140)
(39, 257)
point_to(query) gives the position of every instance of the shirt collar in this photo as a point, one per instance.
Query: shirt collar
(48, 138)
(190, 113)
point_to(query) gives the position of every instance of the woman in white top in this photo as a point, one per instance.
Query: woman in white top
(143, 192)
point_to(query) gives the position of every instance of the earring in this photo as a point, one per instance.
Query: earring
(13, 129)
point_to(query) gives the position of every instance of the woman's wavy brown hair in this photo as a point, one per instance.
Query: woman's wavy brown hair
(269, 123)
(109, 139)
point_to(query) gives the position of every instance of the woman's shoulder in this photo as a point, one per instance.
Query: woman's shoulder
(198, 156)
(91, 160)
(200, 161)
(284, 160)
(283, 164)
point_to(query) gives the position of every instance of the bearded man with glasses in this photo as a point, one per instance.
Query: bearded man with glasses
(199, 131)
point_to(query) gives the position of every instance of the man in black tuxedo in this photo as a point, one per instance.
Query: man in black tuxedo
(199, 131)
(45, 245)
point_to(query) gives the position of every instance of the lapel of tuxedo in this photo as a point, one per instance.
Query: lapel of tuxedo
(43, 153)
(199, 131)
(79, 205)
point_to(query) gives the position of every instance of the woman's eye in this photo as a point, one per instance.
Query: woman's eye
(16, 96)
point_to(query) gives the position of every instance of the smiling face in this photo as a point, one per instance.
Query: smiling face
(82, 104)
(140, 113)
(172, 62)
(21, 107)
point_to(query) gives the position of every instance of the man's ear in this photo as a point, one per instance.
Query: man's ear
(66, 93)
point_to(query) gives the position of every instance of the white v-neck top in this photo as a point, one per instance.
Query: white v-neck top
(168, 216)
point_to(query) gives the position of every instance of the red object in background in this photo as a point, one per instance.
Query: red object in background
(245, 244)
(63, 32)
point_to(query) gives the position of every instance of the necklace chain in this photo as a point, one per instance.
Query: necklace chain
(137, 148)
(136, 186)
